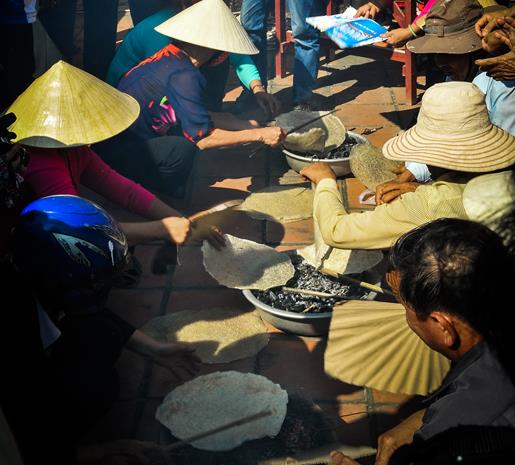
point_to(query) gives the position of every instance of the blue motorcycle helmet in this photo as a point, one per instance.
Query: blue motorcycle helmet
(69, 244)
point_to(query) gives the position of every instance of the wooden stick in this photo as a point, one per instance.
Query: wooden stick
(294, 290)
(363, 284)
(219, 429)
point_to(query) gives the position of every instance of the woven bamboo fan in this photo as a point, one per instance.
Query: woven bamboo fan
(370, 344)
(68, 107)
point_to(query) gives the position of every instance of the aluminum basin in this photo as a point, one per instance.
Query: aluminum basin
(340, 166)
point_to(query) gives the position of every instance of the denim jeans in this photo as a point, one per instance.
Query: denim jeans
(307, 44)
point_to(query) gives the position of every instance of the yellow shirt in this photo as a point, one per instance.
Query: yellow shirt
(379, 229)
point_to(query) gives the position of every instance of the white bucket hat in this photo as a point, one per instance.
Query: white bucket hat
(454, 131)
(210, 24)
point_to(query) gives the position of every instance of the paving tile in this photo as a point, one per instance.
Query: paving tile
(118, 423)
(190, 273)
(199, 299)
(407, 116)
(232, 162)
(288, 361)
(146, 255)
(162, 381)
(367, 115)
(297, 232)
(148, 428)
(278, 163)
(375, 96)
(379, 137)
(131, 368)
(135, 306)
(210, 191)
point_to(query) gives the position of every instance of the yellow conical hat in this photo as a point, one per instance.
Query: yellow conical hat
(210, 24)
(68, 107)
(370, 344)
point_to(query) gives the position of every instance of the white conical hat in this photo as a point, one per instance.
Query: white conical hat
(68, 107)
(370, 344)
(210, 24)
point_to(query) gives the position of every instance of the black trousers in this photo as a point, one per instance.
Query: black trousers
(161, 164)
(16, 61)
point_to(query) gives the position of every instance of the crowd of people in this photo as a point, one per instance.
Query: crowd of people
(130, 131)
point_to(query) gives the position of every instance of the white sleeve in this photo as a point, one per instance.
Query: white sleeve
(419, 170)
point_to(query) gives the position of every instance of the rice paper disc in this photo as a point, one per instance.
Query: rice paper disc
(283, 204)
(218, 335)
(371, 167)
(306, 142)
(219, 398)
(244, 264)
(331, 124)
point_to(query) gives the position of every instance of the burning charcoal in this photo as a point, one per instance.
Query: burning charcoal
(307, 277)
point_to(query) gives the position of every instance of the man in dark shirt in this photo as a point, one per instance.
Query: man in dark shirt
(452, 277)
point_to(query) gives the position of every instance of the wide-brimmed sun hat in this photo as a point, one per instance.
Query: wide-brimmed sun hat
(454, 131)
(67, 107)
(210, 24)
(449, 28)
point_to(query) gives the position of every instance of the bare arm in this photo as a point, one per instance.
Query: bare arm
(221, 138)
(229, 122)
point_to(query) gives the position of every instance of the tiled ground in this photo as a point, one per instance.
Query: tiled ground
(369, 93)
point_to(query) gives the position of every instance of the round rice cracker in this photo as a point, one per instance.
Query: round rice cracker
(219, 398)
(244, 264)
(279, 203)
(218, 335)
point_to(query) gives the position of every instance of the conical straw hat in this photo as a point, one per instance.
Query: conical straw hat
(210, 24)
(68, 107)
(370, 344)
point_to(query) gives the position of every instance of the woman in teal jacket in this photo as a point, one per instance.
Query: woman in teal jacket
(143, 41)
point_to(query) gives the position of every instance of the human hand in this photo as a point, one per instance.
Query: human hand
(271, 136)
(120, 452)
(206, 232)
(487, 23)
(267, 102)
(337, 458)
(318, 171)
(389, 191)
(368, 10)
(177, 228)
(398, 436)
(502, 67)
(397, 37)
(491, 43)
(178, 357)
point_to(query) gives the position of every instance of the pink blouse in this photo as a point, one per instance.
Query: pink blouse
(61, 171)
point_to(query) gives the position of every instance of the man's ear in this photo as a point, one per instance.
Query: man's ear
(445, 325)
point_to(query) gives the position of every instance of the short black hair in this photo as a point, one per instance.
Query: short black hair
(462, 268)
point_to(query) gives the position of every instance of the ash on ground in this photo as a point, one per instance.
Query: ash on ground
(343, 151)
(307, 277)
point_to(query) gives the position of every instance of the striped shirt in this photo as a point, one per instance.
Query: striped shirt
(380, 228)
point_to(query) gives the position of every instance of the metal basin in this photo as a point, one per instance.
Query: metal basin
(303, 324)
(340, 166)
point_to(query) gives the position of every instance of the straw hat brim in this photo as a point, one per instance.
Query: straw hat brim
(491, 150)
(67, 107)
(466, 41)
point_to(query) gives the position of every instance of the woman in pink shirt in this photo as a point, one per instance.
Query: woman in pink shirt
(58, 117)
